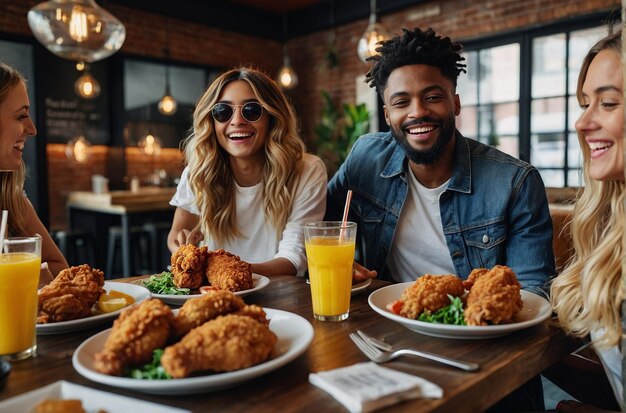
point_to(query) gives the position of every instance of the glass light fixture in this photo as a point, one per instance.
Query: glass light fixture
(76, 29)
(167, 105)
(78, 149)
(374, 34)
(86, 86)
(287, 77)
(150, 145)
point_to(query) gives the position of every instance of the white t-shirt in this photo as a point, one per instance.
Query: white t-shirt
(419, 246)
(259, 241)
(611, 359)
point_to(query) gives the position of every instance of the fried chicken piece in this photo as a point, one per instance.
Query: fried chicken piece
(227, 271)
(494, 297)
(430, 293)
(188, 266)
(227, 343)
(137, 332)
(256, 312)
(71, 295)
(198, 311)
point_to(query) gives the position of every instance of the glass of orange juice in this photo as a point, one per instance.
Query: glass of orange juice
(20, 263)
(330, 255)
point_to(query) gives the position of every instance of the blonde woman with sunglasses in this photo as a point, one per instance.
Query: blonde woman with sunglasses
(248, 185)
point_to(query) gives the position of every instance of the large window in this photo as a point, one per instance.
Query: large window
(519, 95)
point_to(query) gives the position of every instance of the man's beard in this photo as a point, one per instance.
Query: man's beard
(446, 130)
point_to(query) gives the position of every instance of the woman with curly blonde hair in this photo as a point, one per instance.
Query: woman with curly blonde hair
(587, 295)
(248, 185)
(15, 127)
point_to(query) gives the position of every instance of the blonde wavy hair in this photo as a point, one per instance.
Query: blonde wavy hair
(588, 293)
(12, 182)
(210, 174)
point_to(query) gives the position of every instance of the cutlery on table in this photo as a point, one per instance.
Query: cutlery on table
(365, 344)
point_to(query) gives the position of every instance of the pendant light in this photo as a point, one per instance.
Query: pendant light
(77, 30)
(374, 34)
(86, 86)
(287, 77)
(167, 105)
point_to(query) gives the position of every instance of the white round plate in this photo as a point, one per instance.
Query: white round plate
(137, 292)
(258, 281)
(358, 287)
(536, 309)
(294, 337)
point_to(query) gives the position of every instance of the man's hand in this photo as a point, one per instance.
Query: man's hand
(45, 276)
(360, 273)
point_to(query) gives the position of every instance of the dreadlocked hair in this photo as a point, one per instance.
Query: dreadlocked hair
(415, 47)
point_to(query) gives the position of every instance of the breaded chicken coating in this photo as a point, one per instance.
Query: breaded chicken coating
(137, 332)
(227, 343)
(197, 311)
(430, 292)
(494, 297)
(188, 266)
(227, 271)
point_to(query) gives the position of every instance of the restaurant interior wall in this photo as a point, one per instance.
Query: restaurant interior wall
(198, 44)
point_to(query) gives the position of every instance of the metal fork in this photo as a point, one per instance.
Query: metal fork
(379, 356)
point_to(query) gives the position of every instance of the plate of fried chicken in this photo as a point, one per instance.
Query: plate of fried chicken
(212, 342)
(68, 303)
(494, 304)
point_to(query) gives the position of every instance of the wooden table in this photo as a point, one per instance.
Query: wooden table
(506, 362)
(91, 212)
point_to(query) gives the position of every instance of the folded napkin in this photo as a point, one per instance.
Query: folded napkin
(365, 387)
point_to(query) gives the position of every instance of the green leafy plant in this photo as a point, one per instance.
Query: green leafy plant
(164, 284)
(338, 130)
(151, 371)
(450, 314)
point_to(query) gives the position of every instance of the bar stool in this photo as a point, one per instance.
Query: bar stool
(158, 237)
(141, 251)
(76, 245)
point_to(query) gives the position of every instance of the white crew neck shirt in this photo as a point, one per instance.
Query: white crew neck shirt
(260, 241)
(419, 246)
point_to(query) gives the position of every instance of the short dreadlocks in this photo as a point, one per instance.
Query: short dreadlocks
(415, 47)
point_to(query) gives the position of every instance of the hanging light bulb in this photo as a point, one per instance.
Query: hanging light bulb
(76, 29)
(150, 144)
(287, 77)
(167, 105)
(86, 86)
(78, 149)
(374, 34)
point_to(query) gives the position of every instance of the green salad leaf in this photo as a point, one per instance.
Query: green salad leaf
(164, 284)
(450, 314)
(151, 371)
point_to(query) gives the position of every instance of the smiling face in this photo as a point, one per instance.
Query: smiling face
(240, 138)
(15, 126)
(602, 121)
(420, 107)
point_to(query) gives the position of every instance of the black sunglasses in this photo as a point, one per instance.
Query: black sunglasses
(223, 112)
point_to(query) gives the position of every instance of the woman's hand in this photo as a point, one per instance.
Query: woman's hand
(186, 236)
(45, 276)
(360, 273)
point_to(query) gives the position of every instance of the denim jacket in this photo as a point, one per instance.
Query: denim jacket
(494, 210)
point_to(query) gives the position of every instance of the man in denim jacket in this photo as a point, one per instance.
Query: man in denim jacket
(425, 198)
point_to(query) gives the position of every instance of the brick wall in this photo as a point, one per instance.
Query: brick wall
(194, 43)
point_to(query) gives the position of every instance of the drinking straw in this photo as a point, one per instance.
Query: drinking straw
(344, 221)
(3, 228)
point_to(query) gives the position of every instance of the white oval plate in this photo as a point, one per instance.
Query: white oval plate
(536, 309)
(358, 287)
(294, 337)
(258, 281)
(137, 292)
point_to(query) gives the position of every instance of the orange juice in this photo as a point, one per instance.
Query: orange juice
(19, 277)
(330, 273)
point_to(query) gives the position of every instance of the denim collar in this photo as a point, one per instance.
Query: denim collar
(461, 180)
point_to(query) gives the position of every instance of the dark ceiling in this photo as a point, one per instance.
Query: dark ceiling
(271, 19)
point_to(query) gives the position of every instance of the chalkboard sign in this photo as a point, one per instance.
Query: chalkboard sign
(63, 114)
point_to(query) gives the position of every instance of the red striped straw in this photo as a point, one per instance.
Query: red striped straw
(344, 221)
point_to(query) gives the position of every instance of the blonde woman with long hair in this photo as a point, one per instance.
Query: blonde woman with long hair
(15, 127)
(248, 185)
(587, 294)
